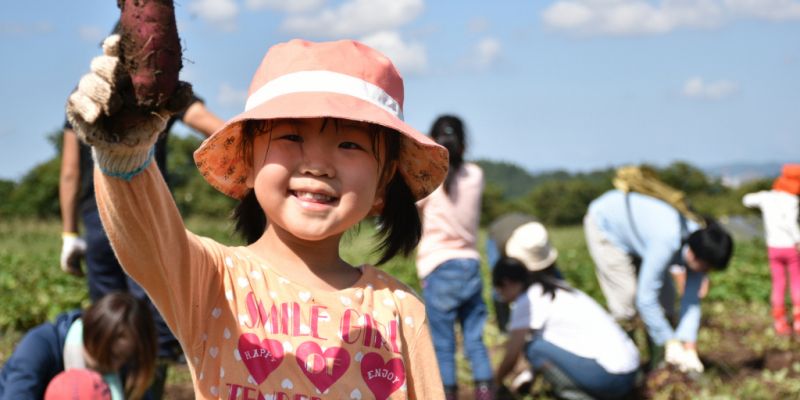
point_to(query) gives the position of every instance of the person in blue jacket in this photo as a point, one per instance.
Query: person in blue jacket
(115, 336)
(634, 239)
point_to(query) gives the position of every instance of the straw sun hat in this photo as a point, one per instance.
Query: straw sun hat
(530, 245)
(343, 79)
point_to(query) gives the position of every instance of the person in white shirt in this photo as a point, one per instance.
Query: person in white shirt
(779, 209)
(567, 337)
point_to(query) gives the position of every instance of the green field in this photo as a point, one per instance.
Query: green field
(743, 358)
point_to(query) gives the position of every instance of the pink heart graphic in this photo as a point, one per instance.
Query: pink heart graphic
(261, 357)
(323, 369)
(382, 378)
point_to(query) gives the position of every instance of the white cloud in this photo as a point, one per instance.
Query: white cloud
(697, 88)
(291, 6)
(638, 17)
(220, 13)
(91, 34)
(228, 96)
(408, 58)
(354, 18)
(485, 53)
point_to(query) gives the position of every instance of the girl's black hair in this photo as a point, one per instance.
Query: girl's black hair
(509, 269)
(448, 131)
(399, 225)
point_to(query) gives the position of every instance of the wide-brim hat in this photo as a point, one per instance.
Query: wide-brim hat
(342, 79)
(530, 245)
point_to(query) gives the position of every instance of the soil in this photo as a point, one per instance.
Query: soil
(731, 358)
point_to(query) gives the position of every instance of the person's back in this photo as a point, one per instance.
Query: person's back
(450, 222)
(779, 211)
(36, 360)
(566, 321)
(640, 224)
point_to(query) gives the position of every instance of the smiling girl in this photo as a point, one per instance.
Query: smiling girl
(320, 146)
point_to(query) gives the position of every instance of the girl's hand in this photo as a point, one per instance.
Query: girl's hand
(104, 114)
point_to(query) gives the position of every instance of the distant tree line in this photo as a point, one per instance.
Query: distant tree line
(555, 197)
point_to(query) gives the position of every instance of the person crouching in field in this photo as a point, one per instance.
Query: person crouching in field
(115, 336)
(567, 337)
(779, 210)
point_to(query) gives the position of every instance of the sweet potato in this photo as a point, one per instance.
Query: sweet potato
(150, 49)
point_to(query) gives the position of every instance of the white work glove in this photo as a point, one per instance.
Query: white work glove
(72, 249)
(103, 113)
(673, 352)
(685, 359)
(690, 362)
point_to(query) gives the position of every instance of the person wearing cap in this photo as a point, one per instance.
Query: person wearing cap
(320, 146)
(115, 337)
(634, 239)
(448, 262)
(779, 210)
(566, 336)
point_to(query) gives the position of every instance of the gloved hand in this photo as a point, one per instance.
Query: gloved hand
(673, 353)
(104, 114)
(690, 362)
(685, 359)
(72, 249)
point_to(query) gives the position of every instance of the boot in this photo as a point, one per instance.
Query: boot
(484, 390)
(450, 393)
(796, 319)
(780, 324)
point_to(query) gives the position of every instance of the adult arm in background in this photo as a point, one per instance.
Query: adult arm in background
(73, 247)
(655, 263)
(199, 118)
(752, 200)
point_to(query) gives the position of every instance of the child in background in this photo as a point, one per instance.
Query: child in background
(114, 334)
(448, 262)
(320, 146)
(779, 209)
(569, 339)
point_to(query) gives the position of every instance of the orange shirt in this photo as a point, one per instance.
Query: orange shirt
(249, 333)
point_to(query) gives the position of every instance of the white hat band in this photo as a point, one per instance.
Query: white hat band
(324, 81)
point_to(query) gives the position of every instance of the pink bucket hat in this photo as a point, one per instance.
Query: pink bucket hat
(343, 79)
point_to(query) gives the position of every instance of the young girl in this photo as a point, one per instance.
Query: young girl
(114, 334)
(448, 262)
(320, 146)
(566, 336)
(779, 209)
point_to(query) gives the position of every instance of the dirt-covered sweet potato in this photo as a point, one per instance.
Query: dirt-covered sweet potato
(150, 49)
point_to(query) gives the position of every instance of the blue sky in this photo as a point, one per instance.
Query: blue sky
(570, 84)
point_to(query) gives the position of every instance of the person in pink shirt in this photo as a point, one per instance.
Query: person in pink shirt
(448, 262)
(779, 209)
(320, 146)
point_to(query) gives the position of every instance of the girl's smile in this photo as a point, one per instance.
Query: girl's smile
(317, 177)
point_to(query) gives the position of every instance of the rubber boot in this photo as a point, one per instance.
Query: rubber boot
(657, 353)
(563, 386)
(780, 324)
(796, 319)
(450, 393)
(484, 390)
